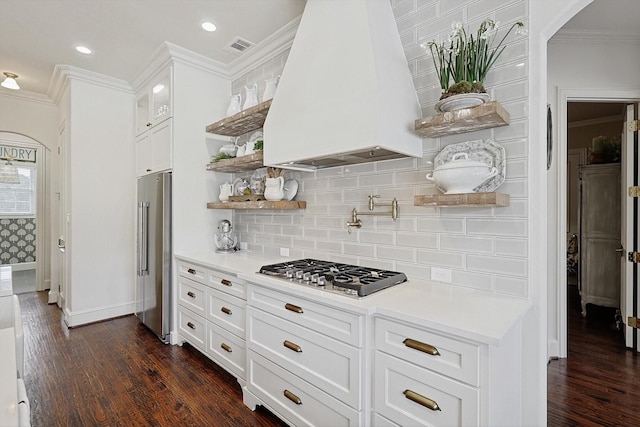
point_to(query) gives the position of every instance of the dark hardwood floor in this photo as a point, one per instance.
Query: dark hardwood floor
(598, 384)
(117, 373)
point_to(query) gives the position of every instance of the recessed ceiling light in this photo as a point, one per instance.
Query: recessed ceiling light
(208, 26)
(83, 49)
(158, 88)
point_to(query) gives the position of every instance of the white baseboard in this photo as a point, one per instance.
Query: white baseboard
(53, 297)
(553, 349)
(73, 319)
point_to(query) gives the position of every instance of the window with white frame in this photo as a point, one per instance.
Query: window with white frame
(20, 199)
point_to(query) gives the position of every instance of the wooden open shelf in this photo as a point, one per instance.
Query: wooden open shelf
(238, 164)
(463, 199)
(483, 116)
(261, 204)
(240, 123)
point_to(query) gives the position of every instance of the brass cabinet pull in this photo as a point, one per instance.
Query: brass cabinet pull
(226, 348)
(191, 294)
(293, 308)
(191, 271)
(191, 325)
(421, 400)
(292, 397)
(292, 346)
(225, 310)
(226, 282)
(420, 346)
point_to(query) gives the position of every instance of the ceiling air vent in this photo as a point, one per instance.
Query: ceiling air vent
(238, 46)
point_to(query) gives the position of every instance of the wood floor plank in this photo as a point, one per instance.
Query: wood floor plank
(598, 384)
(117, 373)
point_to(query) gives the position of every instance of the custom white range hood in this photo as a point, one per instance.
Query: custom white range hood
(346, 95)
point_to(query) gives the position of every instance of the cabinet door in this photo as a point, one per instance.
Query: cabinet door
(143, 107)
(143, 154)
(161, 95)
(161, 147)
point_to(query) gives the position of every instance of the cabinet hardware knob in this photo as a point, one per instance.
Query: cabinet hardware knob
(293, 308)
(226, 282)
(292, 346)
(225, 310)
(420, 346)
(148, 124)
(292, 397)
(421, 400)
(148, 170)
(226, 348)
(191, 325)
(191, 294)
(191, 271)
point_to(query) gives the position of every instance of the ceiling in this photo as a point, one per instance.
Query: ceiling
(36, 35)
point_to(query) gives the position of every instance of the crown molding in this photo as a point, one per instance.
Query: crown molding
(593, 36)
(28, 96)
(262, 52)
(597, 121)
(62, 74)
(166, 54)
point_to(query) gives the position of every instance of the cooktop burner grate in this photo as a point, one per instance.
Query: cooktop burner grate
(346, 279)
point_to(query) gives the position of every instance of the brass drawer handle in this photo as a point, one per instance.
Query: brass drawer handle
(226, 348)
(292, 346)
(293, 308)
(420, 346)
(191, 325)
(225, 310)
(292, 397)
(191, 271)
(191, 294)
(226, 282)
(421, 400)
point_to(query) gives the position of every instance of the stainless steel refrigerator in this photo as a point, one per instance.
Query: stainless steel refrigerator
(153, 287)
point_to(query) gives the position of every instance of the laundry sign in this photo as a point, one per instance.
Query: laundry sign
(17, 153)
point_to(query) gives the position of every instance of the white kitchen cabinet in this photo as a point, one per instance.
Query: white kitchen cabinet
(211, 315)
(154, 149)
(426, 378)
(154, 102)
(305, 360)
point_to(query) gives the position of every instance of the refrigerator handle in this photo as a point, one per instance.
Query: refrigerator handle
(143, 230)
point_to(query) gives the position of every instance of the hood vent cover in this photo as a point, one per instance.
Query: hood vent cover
(346, 95)
(238, 46)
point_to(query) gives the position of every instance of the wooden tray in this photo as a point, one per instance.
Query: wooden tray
(247, 198)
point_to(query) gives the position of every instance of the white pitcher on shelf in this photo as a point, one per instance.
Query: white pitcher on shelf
(234, 105)
(251, 97)
(270, 88)
(226, 190)
(274, 189)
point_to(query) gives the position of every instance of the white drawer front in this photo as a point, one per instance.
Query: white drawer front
(336, 323)
(192, 328)
(227, 311)
(326, 363)
(380, 421)
(395, 381)
(227, 283)
(192, 295)
(456, 359)
(270, 382)
(192, 271)
(227, 349)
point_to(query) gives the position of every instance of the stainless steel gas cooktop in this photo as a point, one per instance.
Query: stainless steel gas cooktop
(345, 279)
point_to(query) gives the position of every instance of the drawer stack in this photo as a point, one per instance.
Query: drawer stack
(211, 315)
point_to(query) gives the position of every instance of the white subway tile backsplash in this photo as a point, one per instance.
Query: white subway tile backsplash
(497, 227)
(499, 265)
(440, 258)
(486, 248)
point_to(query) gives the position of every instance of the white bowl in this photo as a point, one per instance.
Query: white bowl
(461, 175)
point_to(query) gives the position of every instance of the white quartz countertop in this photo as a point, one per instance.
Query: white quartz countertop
(6, 285)
(473, 314)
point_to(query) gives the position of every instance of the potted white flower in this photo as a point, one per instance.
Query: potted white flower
(466, 59)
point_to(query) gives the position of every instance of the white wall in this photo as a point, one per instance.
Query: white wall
(101, 202)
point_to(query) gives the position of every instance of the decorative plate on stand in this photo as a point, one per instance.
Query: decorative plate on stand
(484, 150)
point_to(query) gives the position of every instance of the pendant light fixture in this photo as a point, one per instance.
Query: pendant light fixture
(9, 173)
(10, 81)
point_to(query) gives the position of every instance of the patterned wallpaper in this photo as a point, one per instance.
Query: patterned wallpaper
(17, 240)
